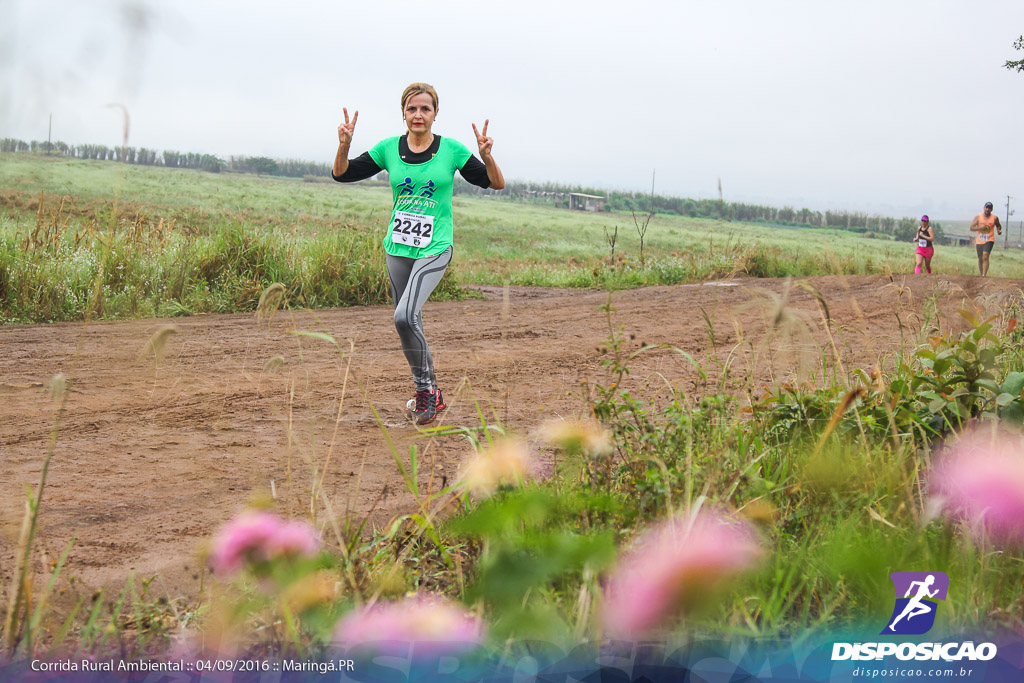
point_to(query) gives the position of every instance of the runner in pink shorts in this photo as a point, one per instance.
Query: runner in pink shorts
(925, 250)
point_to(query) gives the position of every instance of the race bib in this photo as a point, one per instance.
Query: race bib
(922, 243)
(984, 236)
(412, 229)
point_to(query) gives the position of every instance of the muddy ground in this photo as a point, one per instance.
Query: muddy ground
(152, 455)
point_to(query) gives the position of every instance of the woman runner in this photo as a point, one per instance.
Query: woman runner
(418, 244)
(925, 250)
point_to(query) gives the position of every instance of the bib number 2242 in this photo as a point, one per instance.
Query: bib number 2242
(412, 229)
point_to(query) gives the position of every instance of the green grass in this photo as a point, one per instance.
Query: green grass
(529, 244)
(287, 203)
(102, 239)
(109, 241)
(832, 470)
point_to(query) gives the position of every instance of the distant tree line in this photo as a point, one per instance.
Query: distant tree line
(293, 168)
(557, 195)
(552, 194)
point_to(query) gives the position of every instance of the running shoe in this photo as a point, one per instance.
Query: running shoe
(410, 405)
(426, 407)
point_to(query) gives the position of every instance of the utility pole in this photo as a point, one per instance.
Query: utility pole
(49, 135)
(1006, 241)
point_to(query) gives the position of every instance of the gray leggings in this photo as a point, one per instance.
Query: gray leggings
(412, 281)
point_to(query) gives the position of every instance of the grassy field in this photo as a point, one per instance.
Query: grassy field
(524, 244)
(815, 490)
(111, 240)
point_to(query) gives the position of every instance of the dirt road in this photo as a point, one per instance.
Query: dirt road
(151, 456)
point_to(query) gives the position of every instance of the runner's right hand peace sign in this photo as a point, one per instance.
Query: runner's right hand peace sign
(483, 142)
(346, 129)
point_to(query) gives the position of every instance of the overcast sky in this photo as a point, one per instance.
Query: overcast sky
(890, 106)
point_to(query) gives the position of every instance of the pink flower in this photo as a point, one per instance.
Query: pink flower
(437, 626)
(295, 538)
(260, 537)
(980, 479)
(674, 564)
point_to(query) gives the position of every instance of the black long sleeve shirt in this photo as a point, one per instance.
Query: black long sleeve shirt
(363, 166)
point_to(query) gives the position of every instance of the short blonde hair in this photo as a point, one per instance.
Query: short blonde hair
(419, 89)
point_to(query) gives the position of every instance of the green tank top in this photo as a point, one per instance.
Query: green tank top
(421, 220)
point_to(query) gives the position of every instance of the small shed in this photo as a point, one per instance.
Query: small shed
(586, 202)
(958, 240)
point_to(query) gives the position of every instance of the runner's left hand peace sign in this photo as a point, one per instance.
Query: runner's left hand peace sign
(483, 142)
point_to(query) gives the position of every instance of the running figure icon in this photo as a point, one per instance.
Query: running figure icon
(916, 607)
